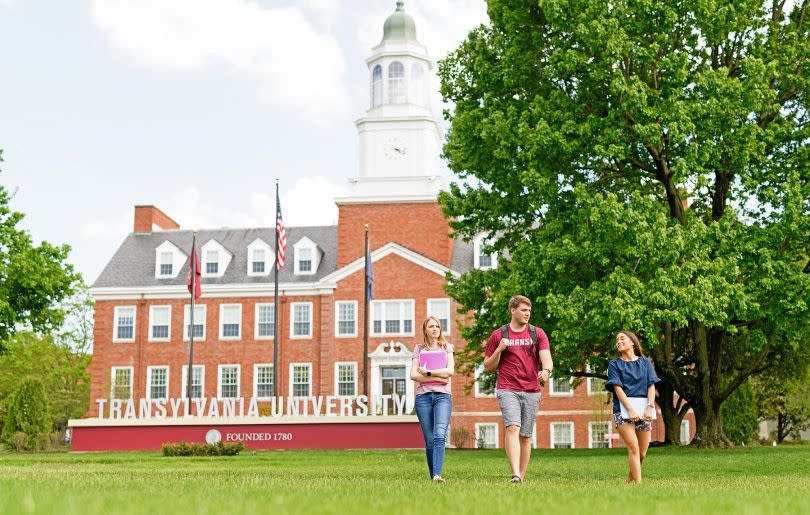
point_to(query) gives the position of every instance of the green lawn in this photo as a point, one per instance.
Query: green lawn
(740, 481)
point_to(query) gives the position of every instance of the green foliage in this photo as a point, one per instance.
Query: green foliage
(199, 449)
(34, 279)
(740, 415)
(18, 441)
(581, 134)
(783, 396)
(27, 412)
(57, 365)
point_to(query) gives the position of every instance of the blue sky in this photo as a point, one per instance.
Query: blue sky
(192, 105)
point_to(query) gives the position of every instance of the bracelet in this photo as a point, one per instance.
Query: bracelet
(651, 405)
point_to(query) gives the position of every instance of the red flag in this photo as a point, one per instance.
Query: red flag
(194, 269)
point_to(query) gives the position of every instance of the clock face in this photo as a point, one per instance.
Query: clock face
(394, 149)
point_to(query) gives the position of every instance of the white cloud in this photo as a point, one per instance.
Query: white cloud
(295, 65)
(8, 3)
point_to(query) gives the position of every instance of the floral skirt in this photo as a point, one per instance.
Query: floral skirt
(641, 425)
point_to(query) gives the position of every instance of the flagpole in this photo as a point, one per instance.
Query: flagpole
(365, 319)
(193, 276)
(276, 374)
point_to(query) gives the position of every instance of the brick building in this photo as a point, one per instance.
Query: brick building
(142, 305)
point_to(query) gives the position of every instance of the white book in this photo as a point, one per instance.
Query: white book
(639, 404)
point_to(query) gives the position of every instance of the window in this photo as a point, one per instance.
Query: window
(376, 86)
(265, 321)
(157, 382)
(160, 318)
(596, 385)
(346, 318)
(396, 83)
(685, 435)
(561, 387)
(598, 435)
(486, 435)
(417, 78)
(300, 379)
(197, 381)
(392, 317)
(483, 260)
(230, 321)
(258, 262)
(166, 263)
(562, 435)
(212, 262)
(258, 253)
(263, 380)
(305, 260)
(301, 320)
(440, 308)
(199, 321)
(228, 381)
(121, 382)
(124, 323)
(346, 379)
(480, 389)
(307, 257)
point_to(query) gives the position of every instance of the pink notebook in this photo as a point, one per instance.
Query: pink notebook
(433, 360)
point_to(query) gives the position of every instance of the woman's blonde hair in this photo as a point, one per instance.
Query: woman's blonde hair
(441, 341)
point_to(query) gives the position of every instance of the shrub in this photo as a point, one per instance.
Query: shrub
(42, 442)
(200, 449)
(459, 436)
(27, 412)
(56, 439)
(740, 415)
(18, 441)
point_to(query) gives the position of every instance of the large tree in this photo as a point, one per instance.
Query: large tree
(644, 165)
(34, 279)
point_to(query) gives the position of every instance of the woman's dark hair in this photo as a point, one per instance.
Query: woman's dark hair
(636, 344)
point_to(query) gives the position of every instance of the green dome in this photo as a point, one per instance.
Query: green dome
(399, 26)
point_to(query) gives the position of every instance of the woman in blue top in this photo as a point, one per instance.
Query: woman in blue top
(632, 375)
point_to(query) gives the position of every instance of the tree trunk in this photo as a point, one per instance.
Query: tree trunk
(669, 414)
(780, 428)
(709, 432)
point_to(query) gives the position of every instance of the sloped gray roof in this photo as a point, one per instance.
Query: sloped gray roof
(133, 264)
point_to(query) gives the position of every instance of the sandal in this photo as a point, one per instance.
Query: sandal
(438, 479)
(516, 479)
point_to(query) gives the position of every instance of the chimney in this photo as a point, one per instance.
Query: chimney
(149, 217)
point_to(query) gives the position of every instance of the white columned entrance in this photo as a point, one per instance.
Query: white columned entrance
(391, 373)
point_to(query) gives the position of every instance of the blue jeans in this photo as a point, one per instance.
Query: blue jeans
(433, 410)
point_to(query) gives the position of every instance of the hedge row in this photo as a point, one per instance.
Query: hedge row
(200, 449)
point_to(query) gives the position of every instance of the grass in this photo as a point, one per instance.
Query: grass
(739, 481)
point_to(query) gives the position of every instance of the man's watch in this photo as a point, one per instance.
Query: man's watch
(547, 370)
(427, 373)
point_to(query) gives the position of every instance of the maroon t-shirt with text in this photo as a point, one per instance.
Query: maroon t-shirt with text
(519, 366)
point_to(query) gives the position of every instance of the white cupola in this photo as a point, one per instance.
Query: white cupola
(399, 136)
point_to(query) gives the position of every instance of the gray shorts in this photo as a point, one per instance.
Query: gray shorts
(519, 409)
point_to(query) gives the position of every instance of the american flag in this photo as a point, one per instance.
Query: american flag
(281, 258)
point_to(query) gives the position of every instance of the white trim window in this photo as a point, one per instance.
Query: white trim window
(346, 379)
(263, 379)
(306, 257)
(197, 382)
(228, 381)
(259, 254)
(160, 323)
(300, 320)
(346, 318)
(169, 259)
(124, 323)
(230, 321)
(157, 382)
(595, 385)
(199, 321)
(598, 433)
(216, 259)
(265, 321)
(562, 435)
(486, 435)
(376, 86)
(440, 308)
(480, 390)
(166, 265)
(686, 436)
(483, 260)
(397, 94)
(561, 387)
(300, 379)
(392, 318)
(121, 382)
(211, 264)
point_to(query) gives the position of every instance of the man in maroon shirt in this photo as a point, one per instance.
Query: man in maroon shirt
(516, 351)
